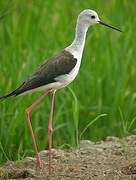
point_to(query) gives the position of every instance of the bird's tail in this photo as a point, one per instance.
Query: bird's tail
(13, 93)
(16, 92)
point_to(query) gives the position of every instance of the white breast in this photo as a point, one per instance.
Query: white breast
(68, 78)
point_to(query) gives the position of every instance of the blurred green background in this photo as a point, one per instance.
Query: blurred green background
(102, 99)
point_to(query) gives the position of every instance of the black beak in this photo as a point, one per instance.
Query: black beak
(104, 24)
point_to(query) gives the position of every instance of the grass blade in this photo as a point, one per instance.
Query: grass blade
(91, 123)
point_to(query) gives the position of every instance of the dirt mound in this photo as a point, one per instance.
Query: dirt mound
(111, 159)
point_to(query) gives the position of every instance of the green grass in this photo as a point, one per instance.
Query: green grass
(99, 103)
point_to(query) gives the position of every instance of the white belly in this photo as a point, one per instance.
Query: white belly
(68, 78)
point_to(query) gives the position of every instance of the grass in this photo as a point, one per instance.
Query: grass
(31, 31)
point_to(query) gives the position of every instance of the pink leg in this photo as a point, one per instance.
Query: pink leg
(27, 116)
(50, 134)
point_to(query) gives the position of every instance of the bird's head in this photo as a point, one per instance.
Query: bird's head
(89, 17)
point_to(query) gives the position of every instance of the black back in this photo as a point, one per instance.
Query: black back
(60, 64)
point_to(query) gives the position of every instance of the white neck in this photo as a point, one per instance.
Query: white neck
(77, 46)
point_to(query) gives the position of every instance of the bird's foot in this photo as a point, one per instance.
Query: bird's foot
(39, 164)
(50, 169)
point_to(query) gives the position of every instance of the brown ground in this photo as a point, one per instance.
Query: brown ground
(112, 159)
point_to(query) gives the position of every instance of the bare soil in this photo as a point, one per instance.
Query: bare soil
(112, 159)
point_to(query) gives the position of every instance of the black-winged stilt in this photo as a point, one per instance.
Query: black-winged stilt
(56, 73)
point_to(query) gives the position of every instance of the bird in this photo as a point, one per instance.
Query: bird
(56, 73)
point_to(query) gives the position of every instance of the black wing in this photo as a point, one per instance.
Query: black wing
(58, 65)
